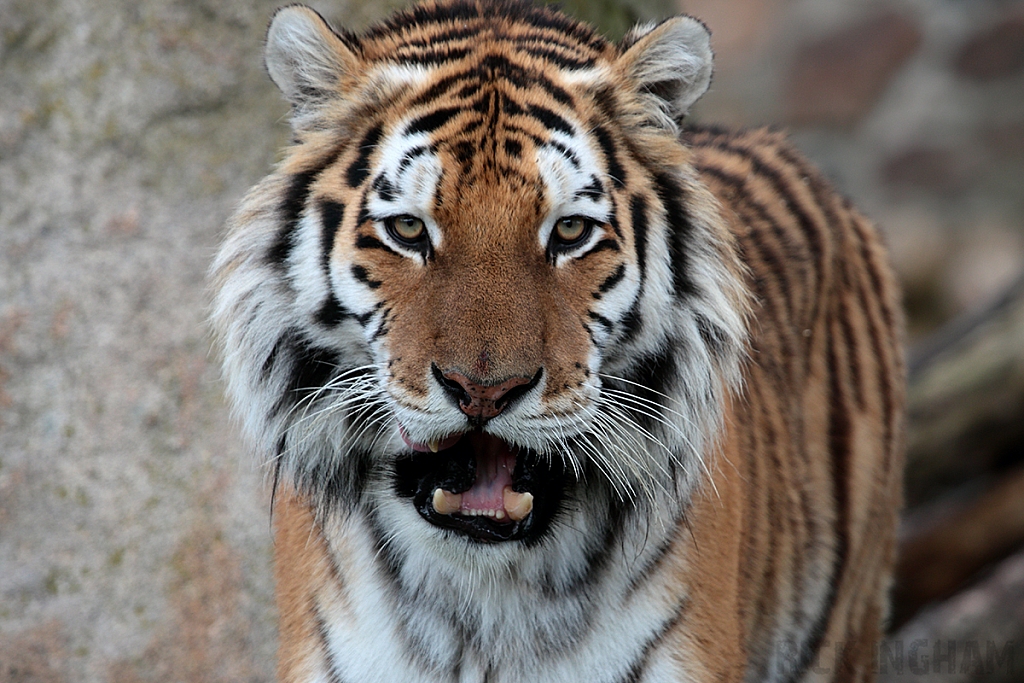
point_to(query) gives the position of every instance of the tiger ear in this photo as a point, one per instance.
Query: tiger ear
(306, 59)
(671, 61)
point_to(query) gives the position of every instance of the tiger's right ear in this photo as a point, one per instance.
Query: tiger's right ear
(306, 59)
(669, 64)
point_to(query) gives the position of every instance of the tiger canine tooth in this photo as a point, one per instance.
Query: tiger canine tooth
(434, 445)
(518, 505)
(445, 502)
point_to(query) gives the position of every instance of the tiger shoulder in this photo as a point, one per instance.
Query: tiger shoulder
(554, 386)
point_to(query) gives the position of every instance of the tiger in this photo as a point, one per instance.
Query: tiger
(552, 383)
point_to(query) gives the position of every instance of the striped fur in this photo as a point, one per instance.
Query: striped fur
(715, 363)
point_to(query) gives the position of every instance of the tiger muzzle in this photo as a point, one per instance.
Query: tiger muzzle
(482, 402)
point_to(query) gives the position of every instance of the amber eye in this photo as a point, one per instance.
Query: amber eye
(407, 229)
(571, 229)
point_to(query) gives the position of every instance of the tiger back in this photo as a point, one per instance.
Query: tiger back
(552, 388)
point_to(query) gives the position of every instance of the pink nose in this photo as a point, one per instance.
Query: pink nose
(479, 401)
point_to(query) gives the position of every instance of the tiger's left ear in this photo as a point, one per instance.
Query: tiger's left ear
(671, 61)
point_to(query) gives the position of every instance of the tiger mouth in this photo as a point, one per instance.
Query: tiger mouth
(480, 486)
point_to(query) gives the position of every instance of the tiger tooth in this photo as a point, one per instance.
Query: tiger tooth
(518, 505)
(445, 502)
(434, 445)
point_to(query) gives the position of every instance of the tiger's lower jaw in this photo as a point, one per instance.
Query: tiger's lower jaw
(483, 488)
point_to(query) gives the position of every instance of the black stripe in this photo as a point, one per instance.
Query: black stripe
(559, 59)
(511, 107)
(611, 281)
(550, 88)
(360, 273)
(364, 212)
(642, 574)
(438, 55)
(814, 236)
(615, 170)
(594, 190)
(850, 341)
(472, 124)
(680, 231)
(325, 646)
(312, 367)
(437, 89)
(359, 170)
(545, 39)
(712, 335)
(604, 322)
(385, 188)
(417, 151)
(331, 215)
(271, 360)
(341, 488)
(447, 36)
(839, 436)
(636, 670)
(638, 216)
(652, 372)
(278, 464)
(512, 128)
(878, 321)
(423, 16)
(773, 260)
(485, 103)
(874, 273)
(613, 216)
(783, 187)
(491, 67)
(428, 123)
(607, 101)
(382, 328)
(290, 211)
(332, 312)
(371, 242)
(468, 90)
(464, 152)
(513, 148)
(565, 152)
(494, 66)
(631, 321)
(550, 119)
(602, 245)
(364, 318)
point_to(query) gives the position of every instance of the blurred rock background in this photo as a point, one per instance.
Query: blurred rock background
(134, 529)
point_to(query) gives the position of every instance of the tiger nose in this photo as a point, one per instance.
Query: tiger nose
(481, 402)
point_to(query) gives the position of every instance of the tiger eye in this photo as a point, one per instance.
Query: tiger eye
(408, 228)
(570, 229)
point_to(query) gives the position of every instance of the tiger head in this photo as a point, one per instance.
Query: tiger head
(484, 285)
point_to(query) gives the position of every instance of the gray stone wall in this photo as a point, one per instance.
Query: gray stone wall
(134, 529)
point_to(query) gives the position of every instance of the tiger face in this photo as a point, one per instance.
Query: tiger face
(485, 251)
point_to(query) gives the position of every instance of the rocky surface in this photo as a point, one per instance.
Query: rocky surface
(134, 529)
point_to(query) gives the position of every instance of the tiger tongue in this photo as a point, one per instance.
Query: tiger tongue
(495, 463)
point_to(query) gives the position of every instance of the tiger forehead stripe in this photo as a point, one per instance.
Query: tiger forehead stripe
(431, 34)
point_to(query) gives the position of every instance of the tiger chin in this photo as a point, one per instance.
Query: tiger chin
(553, 387)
